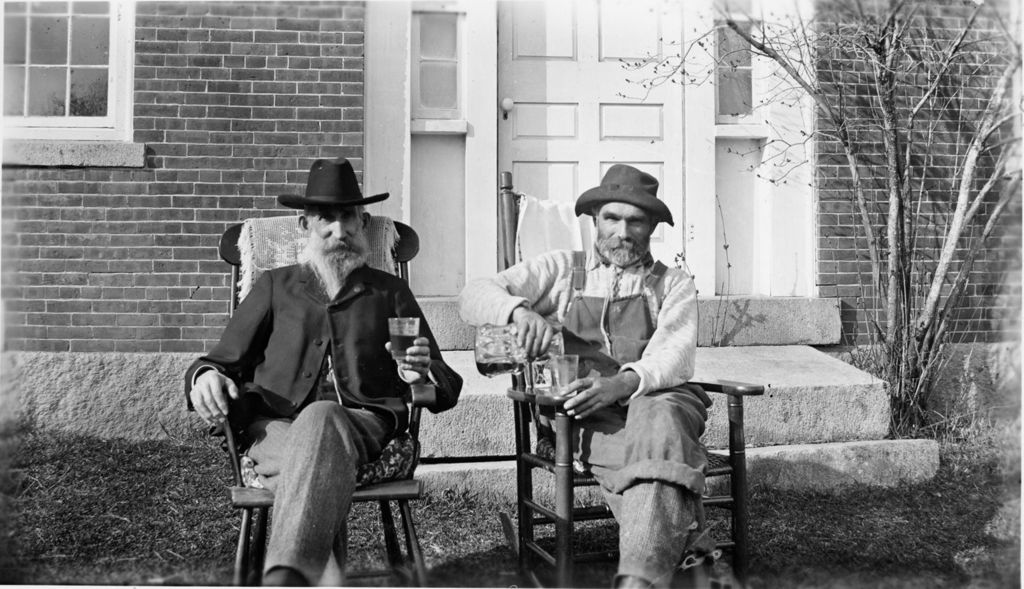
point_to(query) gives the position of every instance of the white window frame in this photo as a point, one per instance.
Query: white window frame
(117, 124)
(730, 119)
(420, 112)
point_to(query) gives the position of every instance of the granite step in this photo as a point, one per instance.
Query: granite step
(810, 398)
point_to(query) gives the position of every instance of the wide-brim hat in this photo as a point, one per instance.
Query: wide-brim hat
(331, 183)
(622, 183)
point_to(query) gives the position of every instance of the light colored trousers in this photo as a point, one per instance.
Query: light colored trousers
(311, 464)
(650, 463)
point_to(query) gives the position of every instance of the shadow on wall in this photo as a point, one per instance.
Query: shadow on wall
(979, 382)
(722, 321)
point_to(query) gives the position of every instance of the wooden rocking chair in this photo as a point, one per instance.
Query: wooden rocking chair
(564, 514)
(385, 481)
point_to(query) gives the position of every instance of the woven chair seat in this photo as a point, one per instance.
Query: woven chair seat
(397, 462)
(718, 464)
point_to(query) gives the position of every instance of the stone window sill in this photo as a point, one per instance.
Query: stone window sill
(439, 127)
(74, 154)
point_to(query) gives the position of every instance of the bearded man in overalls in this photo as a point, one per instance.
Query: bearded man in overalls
(633, 322)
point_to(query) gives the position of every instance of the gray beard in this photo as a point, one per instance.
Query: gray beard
(332, 269)
(621, 254)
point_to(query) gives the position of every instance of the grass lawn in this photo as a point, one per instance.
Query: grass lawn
(91, 511)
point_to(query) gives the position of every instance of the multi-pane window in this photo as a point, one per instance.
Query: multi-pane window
(733, 74)
(65, 69)
(436, 66)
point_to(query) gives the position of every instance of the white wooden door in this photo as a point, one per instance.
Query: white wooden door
(574, 112)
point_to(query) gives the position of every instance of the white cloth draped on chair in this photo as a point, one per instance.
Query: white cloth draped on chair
(546, 225)
(272, 242)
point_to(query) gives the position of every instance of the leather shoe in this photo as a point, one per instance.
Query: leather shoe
(631, 582)
(284, 577)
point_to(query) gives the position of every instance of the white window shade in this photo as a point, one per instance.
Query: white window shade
(436, 65)
(734, 97)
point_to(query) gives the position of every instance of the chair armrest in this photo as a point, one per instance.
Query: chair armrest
(422, 395)
(731, 387)
(534, 399)
(233, 455)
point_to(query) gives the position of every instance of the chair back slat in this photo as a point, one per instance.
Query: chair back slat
(508, 221)
(508, 218)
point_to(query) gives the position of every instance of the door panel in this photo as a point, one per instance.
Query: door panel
(575, 113)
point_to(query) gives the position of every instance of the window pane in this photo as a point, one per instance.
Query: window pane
(438, 35)
(14, 91)
(734, 92)
(49, 39)
(733, 50)
(89, 92)
(14, 39)
(49, 7)
(90, 40)
(438, 83)
(46, 91)
(90, 7)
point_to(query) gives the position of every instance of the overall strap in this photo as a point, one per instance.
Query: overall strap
(655, 275)
(650, 289)
(578, 277)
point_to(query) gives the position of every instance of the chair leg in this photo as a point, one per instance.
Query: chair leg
(412, 544)
(738, 487)
(390, 535)
(524, 489)
(258, 548)
(242, 551)
(739, 526)
(563, 500)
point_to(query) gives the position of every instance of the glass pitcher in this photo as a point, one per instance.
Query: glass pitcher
(496, 350)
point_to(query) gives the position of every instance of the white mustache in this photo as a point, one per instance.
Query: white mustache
(343, 247)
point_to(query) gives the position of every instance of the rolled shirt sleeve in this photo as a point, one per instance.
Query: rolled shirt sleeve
(670, 356)
(541, 283)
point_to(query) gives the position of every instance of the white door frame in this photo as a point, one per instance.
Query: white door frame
(388, 125)
(699, 161)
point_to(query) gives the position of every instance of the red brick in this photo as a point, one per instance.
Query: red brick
(91, 345)
(137, 345)
(182, 346)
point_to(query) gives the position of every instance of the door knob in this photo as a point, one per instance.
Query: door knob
(506, 106)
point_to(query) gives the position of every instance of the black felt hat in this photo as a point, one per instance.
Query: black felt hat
(331, 183)
(622, 183)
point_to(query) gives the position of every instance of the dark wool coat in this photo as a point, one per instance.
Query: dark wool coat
(276, 342)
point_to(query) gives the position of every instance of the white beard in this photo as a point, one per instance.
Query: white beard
(622, 254)
(331, 268)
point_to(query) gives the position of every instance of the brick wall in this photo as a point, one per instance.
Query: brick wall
(992, 296)
(233, 101)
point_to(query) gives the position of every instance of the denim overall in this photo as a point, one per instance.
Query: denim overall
(652, 444)
(607, 333)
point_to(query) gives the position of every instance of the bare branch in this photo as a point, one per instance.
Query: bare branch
(986, 127)
(1011, 187)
